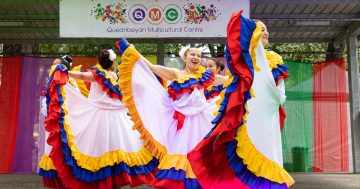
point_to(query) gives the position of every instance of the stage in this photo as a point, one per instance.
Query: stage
(303, 181)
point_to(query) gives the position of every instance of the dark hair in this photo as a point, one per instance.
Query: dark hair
(66, 60)
(217, 63)
(104, 59)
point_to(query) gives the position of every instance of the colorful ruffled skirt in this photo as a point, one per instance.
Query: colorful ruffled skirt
(90, 141)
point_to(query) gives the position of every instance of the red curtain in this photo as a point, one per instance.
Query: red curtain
(85, 61)
(9, 107)
(330, 117)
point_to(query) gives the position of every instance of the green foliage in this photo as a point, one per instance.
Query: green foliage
(72, 49)
(301, 52)
(173, 48)
(146, 48)
(216, 49)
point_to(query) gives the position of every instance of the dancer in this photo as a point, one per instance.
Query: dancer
(171, 122)
(91, 140)
(215, 66)
(243, 150)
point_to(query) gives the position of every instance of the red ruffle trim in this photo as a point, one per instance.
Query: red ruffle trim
(174, 93)
(106, 89)
(68, 180)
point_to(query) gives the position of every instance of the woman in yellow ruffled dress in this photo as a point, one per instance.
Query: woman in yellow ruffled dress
(171, 122)
(90, 142)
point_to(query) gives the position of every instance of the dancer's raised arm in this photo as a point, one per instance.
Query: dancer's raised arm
(162, 71)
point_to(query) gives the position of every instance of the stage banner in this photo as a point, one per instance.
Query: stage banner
(148, 18)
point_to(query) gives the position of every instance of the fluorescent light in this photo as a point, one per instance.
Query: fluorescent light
(12, 24)
(312, 23)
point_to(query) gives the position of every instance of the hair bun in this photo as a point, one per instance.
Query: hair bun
(182, 51)
(66, 60)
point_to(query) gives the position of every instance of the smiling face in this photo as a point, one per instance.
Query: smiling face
(192, 59)
(264, 34)
(211, 65)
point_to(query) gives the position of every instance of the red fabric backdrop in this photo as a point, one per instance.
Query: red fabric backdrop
(331, 152)
(9, 107)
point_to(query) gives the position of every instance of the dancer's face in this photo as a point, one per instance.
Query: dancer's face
(211, 65)
(192, 59)
(264, 34)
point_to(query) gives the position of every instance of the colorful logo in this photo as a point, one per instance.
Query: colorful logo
(172, 14)
(191, 13)
(114, 13)
(198, 13)
(137, 14)
(155, 15)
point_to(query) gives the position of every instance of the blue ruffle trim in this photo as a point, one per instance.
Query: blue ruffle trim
(89, 176)
(247, 28)
(246, 176)
(50, 174)
(229, 89)
(192, 81)
(115, 89)
(218, 88)
(86, 175)
(277, 72)
(58, 67)
(123, 46)
(178, 175)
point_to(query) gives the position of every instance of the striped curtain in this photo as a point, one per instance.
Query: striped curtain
(315, 136)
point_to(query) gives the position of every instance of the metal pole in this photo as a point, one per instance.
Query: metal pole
(354, 96)
(160, 51)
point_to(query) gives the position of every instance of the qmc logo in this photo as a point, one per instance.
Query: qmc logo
(137, 14)
(155, 15)
(172, 14)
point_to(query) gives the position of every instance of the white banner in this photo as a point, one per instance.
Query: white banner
(147, 18)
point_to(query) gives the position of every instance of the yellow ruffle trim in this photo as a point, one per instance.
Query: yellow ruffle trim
(46, 163)
(196, 75)
(52, 69)
(274, 59)
(254, 44)
(222, 93)
(178, 162)
(167, 161)
(142, 157)
(129, 58)
(255, 161)
(165, 84)
(80, 84)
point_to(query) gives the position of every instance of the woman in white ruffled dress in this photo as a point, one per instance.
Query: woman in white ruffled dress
(91, 143)
(171, 122)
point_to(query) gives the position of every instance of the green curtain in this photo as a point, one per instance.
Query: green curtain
(297, 135)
